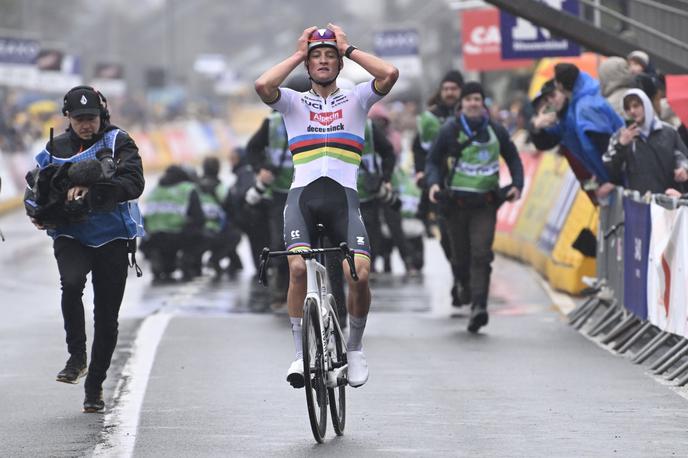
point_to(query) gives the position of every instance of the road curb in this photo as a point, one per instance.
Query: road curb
(563, 302)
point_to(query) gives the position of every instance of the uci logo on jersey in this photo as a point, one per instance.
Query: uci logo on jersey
(326, 119)
(312, 103)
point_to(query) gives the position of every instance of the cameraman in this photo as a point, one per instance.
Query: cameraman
(98, 241)
(473, 144)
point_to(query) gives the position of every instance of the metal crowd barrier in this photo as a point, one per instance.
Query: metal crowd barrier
(616, 312)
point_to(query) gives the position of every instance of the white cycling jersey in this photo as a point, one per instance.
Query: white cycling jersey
(326, 136)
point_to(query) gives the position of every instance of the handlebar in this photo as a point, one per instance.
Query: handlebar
(266, 254)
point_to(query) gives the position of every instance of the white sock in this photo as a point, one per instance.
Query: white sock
(356, 328)
(296, 333)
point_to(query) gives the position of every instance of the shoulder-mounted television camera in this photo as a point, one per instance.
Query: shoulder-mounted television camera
(46, 196)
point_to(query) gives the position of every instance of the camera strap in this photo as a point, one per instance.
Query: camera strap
(131, 248)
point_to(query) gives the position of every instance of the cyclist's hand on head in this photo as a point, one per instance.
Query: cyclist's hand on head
(342, 39)
(432, 193)
(302, 43)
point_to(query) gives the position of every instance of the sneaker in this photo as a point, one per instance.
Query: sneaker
(478, 319)
(295, 374)
(93, 402)
(358, 368)
(460, 296)
(73, 370)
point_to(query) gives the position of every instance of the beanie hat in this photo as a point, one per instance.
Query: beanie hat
(472, 87)
(646, 84)
(546, 89)
(639, 56)
(566, 74)
(453, 76)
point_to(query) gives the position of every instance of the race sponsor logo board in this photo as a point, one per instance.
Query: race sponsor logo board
(637, 230)
(521, 39)
(481, 42)
(667, 277)
(508, 213)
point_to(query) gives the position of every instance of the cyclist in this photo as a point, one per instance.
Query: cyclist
(325, 127)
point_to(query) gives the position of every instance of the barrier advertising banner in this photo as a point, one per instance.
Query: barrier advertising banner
(637, 230)
(666, 296)
(545, 189)
(507, 215)
(558, 213)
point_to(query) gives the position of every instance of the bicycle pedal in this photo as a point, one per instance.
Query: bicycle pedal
(337, 377)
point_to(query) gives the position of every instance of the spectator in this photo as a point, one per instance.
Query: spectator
(648, 155)
(588, 123)
(615, 79)
(639, 62)
(550, 106)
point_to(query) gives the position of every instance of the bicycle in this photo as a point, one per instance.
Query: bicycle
(324, 349)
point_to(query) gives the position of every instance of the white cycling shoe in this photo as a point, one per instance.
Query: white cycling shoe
(295, 374)
(358, 368)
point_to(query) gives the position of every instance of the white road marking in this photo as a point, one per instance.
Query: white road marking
(120, 424)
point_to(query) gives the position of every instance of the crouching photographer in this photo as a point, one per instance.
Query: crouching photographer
(83, 192)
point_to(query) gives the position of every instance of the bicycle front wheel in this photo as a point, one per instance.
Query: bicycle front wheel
(314, 370)
(337, 395)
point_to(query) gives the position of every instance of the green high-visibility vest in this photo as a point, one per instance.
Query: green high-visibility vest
(215, 215)
(477, 170)
(409, 193)
(370, 163)
(428, 127)
(167, 206)
(279, 154)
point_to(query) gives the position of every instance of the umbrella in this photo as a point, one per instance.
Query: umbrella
(677, 95)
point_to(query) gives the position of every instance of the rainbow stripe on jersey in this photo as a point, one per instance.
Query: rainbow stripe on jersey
(342, 146)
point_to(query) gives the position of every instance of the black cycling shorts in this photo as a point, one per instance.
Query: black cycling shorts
(324, 201)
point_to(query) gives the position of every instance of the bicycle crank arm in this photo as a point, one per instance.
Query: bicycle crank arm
(337, 377)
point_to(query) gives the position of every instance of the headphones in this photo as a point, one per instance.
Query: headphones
(102, 102)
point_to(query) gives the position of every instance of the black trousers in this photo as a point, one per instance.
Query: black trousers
(108, 265)
(471, 233)
(397, 237)
(281, 267)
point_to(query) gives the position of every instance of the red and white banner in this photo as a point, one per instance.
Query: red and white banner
(667, 276)
(482, 42)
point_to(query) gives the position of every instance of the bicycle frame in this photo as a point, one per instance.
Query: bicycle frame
(318, 289)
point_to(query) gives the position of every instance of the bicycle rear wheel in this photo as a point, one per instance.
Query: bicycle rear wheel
(337, 395)
(314, 370)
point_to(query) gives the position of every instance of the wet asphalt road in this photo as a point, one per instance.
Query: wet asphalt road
(528, 385)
